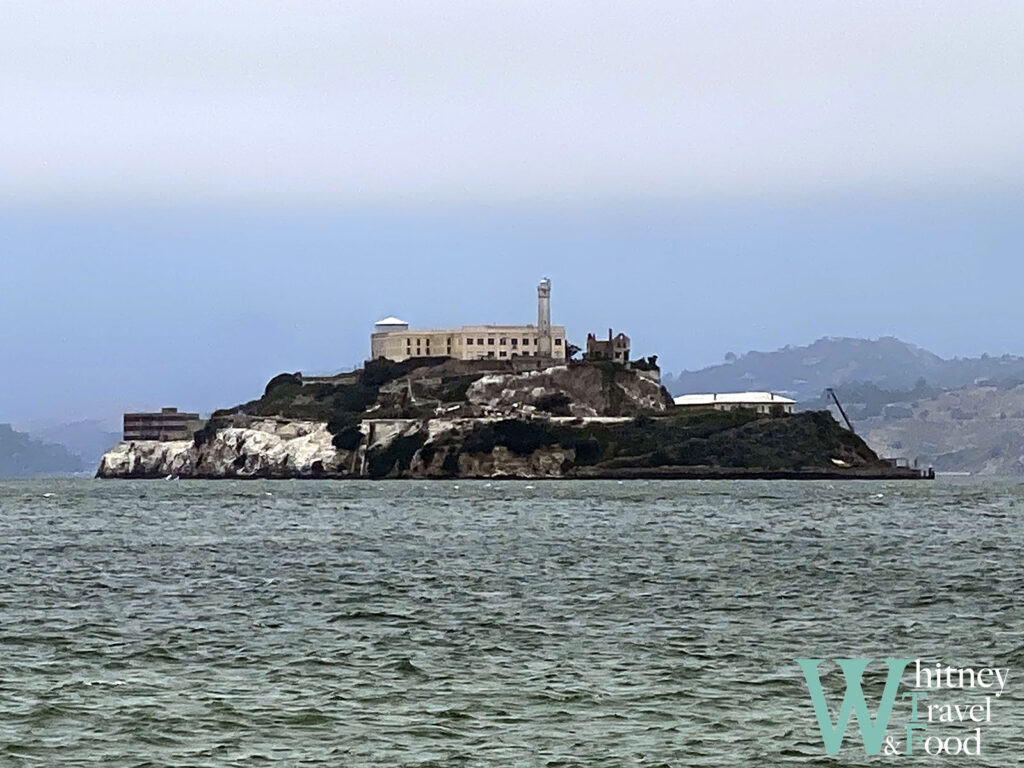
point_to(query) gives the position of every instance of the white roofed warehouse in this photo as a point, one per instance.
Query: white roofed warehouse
(767, 403)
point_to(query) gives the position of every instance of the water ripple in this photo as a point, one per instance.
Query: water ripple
(562, 624)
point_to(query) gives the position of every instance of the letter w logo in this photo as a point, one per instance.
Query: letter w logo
(872, 733)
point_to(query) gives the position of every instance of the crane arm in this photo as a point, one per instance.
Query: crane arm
(835, 399)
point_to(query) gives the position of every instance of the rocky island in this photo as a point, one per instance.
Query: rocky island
(439, 417)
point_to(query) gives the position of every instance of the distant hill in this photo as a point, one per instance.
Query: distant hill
(804, 372)
(21, 456)
(88, 440)
(977, 429)
(963, 414)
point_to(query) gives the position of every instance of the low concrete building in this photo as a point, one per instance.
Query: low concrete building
(168, 424)
(763, 402)
(615, 349)
(394, 340)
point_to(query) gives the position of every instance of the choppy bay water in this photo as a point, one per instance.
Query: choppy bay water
(514, 624)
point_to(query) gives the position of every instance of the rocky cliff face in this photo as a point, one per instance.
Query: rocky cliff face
(271, 448)
(400, 419)
(449, 418)
(714, 443)
(583, 391)
(265, 448)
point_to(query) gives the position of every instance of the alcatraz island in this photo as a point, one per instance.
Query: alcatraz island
(494, 401)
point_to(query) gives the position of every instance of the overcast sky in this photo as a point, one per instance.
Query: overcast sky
(708, 177)
(339, 102)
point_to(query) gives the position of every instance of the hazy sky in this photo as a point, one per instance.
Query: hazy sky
(350, 102)
(197, 195)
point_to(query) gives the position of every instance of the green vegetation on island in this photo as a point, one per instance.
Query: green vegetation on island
(436, 417)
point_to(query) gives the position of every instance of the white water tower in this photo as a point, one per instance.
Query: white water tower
(389, 324)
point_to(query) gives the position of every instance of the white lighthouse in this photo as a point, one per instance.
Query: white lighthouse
(544, 318)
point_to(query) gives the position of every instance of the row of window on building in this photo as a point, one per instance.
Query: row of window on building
(425, 352)
(502, 341)
(503, 353)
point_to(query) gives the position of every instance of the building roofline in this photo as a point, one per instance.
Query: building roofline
(732, 398)
(474, 329)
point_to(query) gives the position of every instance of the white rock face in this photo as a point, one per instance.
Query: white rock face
(278, 448)
(147, 458)
(591, 391)
(266, 448)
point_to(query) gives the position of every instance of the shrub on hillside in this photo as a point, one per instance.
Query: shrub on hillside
(381, 461)
(523, 437)
(556, 403)
(480, 440)
(283, 380)
(348, 439)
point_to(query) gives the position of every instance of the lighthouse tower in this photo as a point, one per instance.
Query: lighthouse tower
(544, 318)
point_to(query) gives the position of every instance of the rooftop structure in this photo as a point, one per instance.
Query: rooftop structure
(390, 324)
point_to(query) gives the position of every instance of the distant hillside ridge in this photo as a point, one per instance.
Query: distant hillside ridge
(803, 372)
(87, 439)
(977, 429)
(22, 457)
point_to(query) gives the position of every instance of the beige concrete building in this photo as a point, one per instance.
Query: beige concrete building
(168, 424)
(393, 339)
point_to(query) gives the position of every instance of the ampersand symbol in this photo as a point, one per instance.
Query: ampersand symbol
(891, 747)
